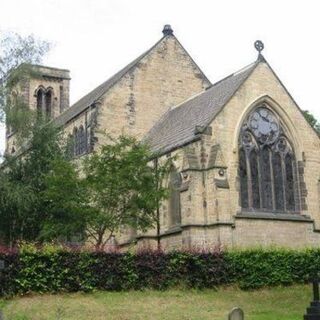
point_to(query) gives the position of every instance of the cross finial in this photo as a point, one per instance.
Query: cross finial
(259, 45)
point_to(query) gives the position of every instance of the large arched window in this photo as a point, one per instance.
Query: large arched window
(174, 199)
(267, 166)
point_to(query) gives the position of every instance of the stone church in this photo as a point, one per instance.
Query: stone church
(247, 168)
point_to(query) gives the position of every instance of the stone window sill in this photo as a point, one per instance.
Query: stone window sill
(273, 216)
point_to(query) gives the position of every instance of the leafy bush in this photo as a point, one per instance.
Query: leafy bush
(52, 269)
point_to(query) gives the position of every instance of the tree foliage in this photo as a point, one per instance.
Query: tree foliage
(122, 188)
(23, 205)
(314, 123)
(17, 54)
(47, 197)
(19, 192)
(43, 195)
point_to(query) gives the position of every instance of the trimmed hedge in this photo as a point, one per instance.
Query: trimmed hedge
(62, 270)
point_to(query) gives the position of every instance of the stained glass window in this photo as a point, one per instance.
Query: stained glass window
(267, 164)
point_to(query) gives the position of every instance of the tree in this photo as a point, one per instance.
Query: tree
(315, 124)
(25, 206)
(16, 201)
(123, 189)
(17, 53)
(43, 195)
(65, 201)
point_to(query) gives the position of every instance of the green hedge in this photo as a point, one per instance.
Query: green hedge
(61, 270)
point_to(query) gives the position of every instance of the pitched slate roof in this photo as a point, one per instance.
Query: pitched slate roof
(178, 126)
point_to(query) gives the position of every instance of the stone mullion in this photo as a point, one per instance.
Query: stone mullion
(272, 180)
(284, 180)
(250, 198)
(295, 186)
(260, 179)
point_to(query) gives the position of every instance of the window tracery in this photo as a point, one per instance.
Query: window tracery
(267, 166)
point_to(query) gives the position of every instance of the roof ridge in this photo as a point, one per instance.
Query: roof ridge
(234, 73)
(214, 84)
(246, 68)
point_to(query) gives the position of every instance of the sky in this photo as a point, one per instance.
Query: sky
(96, 38)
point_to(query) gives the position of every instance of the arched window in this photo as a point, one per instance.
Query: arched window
(70, 146)
(174, 199)
(82, 141)
(40, 100)
(48, 104)
(76, 141)
(79, 141)
(44, 101)
(267, 166)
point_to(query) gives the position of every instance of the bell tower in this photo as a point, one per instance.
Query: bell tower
(49, 91)
(46, 90)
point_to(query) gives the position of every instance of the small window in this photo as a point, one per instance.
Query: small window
(76, 141)
(82, 141)
(70, 146)
(174, 199)
(48, 104)
(44, 102)
(40, 100)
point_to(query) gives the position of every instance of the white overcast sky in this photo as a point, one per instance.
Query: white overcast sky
(95, 38)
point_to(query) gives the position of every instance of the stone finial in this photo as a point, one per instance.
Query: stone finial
(167, 30)
(259, 45)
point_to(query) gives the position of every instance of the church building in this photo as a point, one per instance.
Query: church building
(247, 163)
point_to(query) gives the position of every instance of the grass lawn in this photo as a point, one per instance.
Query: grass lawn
(278, 303)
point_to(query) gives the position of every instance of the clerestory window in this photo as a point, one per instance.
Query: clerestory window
(267, 165)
